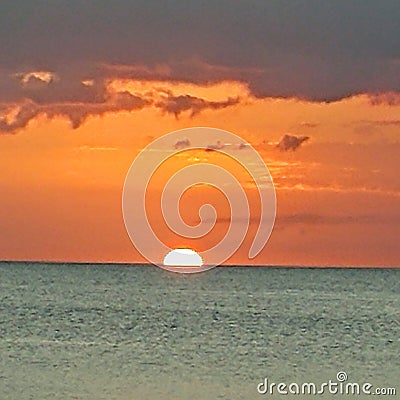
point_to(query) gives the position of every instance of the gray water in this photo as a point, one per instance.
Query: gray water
(72, 331)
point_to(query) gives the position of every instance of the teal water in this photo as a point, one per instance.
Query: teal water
(118, 332)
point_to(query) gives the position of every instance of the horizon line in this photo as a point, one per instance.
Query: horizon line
(138, 264)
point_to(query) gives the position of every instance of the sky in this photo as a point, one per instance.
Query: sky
(313, 86)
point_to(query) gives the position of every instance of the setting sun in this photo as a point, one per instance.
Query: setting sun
(183, 258)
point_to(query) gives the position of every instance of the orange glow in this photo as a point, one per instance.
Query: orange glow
(212, 92)
(338, 194)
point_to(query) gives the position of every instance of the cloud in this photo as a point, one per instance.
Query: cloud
(178, 104)
(182, 143)
(309, 218)
(390, 99)
(192, 70)
(215, 146)
(370, 127)
(19, 115)
(88, 82)
(388, 122)
(321, 51)
(288, 220)
(307, 124)
(339, 189)
(93, 98)
(290, 142)
(34, 77)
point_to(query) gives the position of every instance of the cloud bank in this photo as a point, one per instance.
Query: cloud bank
(66, 53)
(97, 101)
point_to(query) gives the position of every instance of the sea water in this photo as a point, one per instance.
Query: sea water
(70, 331)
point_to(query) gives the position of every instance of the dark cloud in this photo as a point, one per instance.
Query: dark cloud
(99, 102)
(182, 143)
(178, 104)
(189, 70)
(215, 146)
(309, 49)
(20, 118)
(290, 142)
(390, 99)
(77, 113)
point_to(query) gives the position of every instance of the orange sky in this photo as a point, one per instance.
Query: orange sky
(338, 193)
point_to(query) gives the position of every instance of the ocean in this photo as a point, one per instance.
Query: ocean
(118, 332)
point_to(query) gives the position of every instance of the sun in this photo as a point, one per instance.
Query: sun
(183, 257)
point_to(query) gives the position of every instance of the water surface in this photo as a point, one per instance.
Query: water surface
(71, 331)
